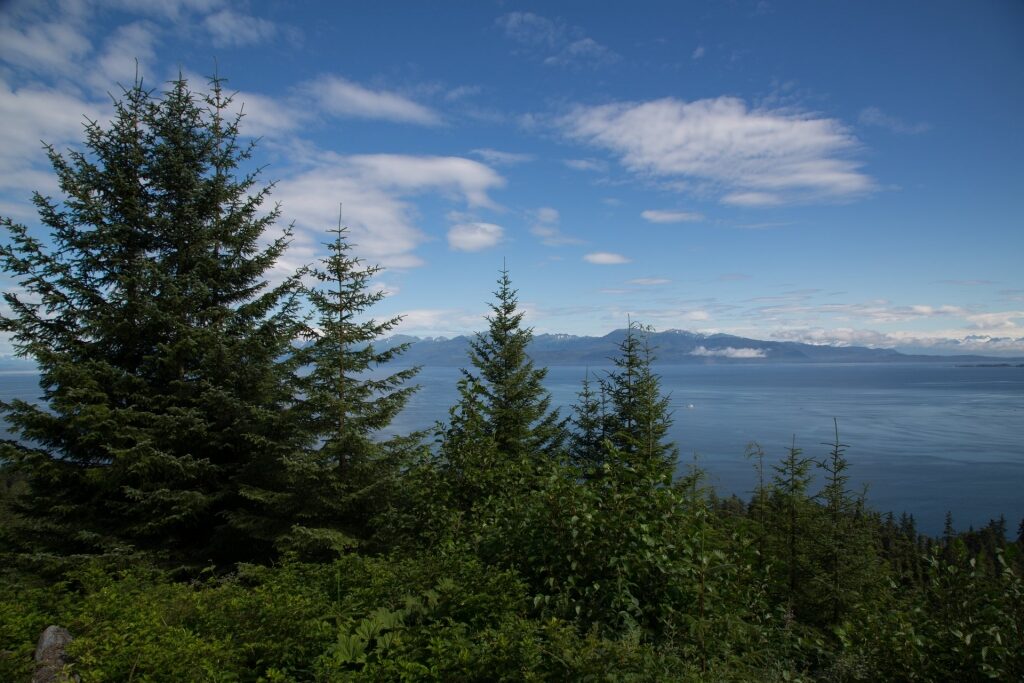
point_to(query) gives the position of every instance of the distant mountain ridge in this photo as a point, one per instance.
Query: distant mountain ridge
(671, 347)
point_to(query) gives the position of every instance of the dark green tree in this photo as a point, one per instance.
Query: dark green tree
(589, 420)
(513, 401)
(330, 491)
(639, 417)
(845, 554)
(168, 386)
(789, 527)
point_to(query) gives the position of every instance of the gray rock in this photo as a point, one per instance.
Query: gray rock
(50, 659)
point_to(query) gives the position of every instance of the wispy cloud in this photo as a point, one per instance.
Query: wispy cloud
(448, 322)
(33, 114)
(873, 116)
(128, 47)
(659, 216)
(546, 226)
(45, 46)
(529, 29)
(474, 236)
(605, 258)
(728, 352)
(698, 52)
(553, 42)
(966, 283)
(462, 92)
(595, 165)
(649, 281)
(585, 51)
(229, 28)
(499, 158)
(375, 190)
(755, 157)
(342, 97)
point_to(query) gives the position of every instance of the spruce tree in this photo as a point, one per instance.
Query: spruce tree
(334, 487)
(589, 419)
(639, 418)
(515, 405)
(163, 353)
(790, 524)
(844, 554)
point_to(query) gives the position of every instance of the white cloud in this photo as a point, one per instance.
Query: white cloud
(873, 116)
(554, 42)
(117, 64)
(728, 352)
(474, 236)
(605, 258)
(266, 116)
(230, 29)
(698, 52)
(546, 227)
(169, 9)
(583, 52)
(940, 341)
(529, 29)
(499, 158)
(752, 199)
(469, 179)
(462, 92)
(449, 322)
(55, 47)
(596, 165)
(658, 216)
(649, 281)
(374, 190)
(341, 97)
(756, 156)
(546, 214)
(31, 115)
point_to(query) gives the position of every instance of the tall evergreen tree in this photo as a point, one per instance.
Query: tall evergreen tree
(844, 553)
(515, 405)
(329, 492)
(589, 419)
(790, 523)
(167, 382)
(639, 418)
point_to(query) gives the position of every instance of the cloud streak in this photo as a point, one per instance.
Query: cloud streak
(658, 216)
(605, 258)
(753, 157)
(553, 42)
(344, 98)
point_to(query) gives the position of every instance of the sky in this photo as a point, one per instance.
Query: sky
(826, 172)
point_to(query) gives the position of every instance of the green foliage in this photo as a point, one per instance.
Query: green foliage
(329, 492)
(162, 352)
(505, 388)
(177, 430)
(638, 418)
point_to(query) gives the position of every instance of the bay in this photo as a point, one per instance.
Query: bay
(924, 438)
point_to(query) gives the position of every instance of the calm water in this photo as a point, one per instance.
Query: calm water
(925, 438)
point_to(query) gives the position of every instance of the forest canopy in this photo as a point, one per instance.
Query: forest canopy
(203, 492)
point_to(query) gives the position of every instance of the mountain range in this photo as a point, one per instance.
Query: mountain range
(669, 347)
(672, 347)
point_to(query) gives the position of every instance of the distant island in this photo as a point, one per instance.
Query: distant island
(677, 347)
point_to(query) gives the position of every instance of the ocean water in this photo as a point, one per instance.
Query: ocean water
(924, 438)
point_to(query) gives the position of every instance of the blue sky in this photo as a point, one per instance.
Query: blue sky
(844, 173)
